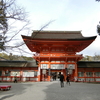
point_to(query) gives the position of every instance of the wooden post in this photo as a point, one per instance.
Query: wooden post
(76, 74)
(21, 75)
(39, 73)
(49, 72)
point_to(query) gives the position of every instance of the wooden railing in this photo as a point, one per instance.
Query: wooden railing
(57, 55)
(88, 79)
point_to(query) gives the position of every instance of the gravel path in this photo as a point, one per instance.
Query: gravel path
(51, 91)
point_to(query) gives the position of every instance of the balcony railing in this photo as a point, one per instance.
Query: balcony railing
(57, 55)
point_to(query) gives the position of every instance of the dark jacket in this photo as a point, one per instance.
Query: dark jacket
(68, 78)
(61, 78)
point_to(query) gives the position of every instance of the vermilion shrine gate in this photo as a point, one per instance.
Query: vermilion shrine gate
(56, 51)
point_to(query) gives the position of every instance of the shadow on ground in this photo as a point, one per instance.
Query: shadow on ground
(16, 89)
(76, 91)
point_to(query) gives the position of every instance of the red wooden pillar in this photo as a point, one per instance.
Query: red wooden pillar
(76, 73)
(21, 75)
(49, 72)
(39, 73)
(64, 73)
(84, 75)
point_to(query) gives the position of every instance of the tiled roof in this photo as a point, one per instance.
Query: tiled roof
(56, 34)
(17, 64)
(88, 64)
(59, 35)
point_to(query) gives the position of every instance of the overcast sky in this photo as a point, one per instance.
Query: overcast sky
(68, 15)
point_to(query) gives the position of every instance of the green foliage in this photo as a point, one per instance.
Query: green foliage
(27, 58)
(4, 55)
(15, 57)
(91, 58)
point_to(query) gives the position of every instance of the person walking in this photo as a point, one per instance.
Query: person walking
(62, 80)
(15, 79)
(68, 79)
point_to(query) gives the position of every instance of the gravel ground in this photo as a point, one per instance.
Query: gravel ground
(51, 91)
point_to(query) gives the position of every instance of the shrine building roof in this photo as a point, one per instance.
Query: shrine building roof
(88, 64)
(58, 35)
(9, 63)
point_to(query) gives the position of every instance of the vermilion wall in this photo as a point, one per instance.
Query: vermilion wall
(20, 78)
(86, 78)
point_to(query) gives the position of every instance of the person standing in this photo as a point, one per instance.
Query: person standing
(62, 80)
(68, 79)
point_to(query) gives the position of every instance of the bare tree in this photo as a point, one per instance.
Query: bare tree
(13, 20)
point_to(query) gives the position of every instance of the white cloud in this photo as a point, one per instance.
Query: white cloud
(68, 15)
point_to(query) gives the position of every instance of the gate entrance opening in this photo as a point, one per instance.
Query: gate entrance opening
(54, 74)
